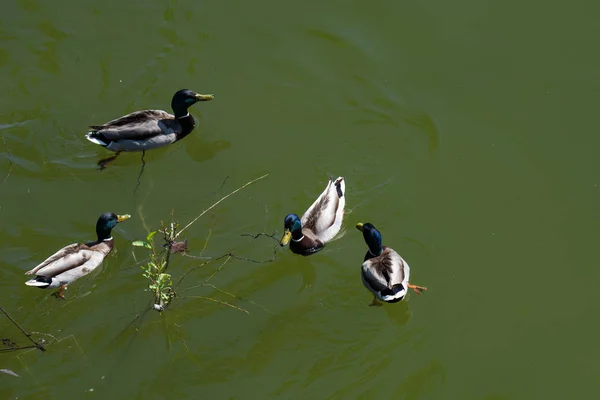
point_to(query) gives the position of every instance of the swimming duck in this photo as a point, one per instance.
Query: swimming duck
(384, 272)
(148, 129)
(76, 260)
(320, 223)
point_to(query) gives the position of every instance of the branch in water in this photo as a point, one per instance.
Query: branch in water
(230, 255)
(10, 163)
(35, 344)
(272, 235)
(215, 204)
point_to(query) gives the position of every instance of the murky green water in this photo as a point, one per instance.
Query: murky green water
(466, 132)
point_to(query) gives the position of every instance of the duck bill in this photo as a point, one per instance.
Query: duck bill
(359, 226)
(204, 97)
(121, 218)
(287, 235)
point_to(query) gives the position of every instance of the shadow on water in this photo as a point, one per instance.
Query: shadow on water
(197, 148)
(201, 150)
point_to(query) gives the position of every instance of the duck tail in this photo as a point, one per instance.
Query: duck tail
(39, 281)
(393, 295)
(97, 138)
(340, 186)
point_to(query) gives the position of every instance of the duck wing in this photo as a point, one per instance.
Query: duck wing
(68, 258)
(138, 125)
(324, 217)
(385, 271)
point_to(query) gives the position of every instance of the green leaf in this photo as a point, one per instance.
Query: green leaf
(141, 243)
(150, 236)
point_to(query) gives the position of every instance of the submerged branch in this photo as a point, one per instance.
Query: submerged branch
(10, 163)
(139, 178)
(272, 235)
(219, 201)
(35, 344)
(221, 302)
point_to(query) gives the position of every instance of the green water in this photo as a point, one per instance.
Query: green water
(465, 131)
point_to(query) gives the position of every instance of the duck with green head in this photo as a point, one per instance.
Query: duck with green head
(384, 272)
(148, 129)
(319, 224)
(76, 260)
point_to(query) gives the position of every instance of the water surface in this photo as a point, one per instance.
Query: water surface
(465, 132)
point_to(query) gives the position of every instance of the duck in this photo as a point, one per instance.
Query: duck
(384, 272)
(76, 260)
(319, 224)
(148, 129)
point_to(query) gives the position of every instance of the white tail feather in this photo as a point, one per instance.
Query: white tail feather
(33, 282)
(95, 140)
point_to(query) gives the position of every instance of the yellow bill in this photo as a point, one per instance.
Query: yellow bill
(287, 235)
(359, 226)
(121, 218)
(204, 97)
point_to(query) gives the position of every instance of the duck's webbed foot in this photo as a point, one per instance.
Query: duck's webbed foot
(60, 292)
(417, 289)
(105, 161)
(375, 303)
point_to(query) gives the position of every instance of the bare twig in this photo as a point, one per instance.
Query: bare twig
(19, 348)
(35, 344)
(198, 266)
(272, 235)
(218, 269)
(220, 302)
(253, 260)
(215, 204)
(206, 243)
(224, 182)
(230, 255)
(139, 178)
(10, 163)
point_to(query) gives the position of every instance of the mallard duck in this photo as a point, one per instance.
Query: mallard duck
(384, 272)
(76, 260)
(148, 129)
(320, 223)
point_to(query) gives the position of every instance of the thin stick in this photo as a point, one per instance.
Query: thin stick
(206, 243)
(10, 163)
(36, 344)
(272, 235)
(215, 204)
(139, 178)
(18, 348)
(218, 269)
(220, 302)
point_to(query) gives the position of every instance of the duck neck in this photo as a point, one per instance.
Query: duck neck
(187, 125)
(297, 235)
(104, 234)
(179, 110)
(375, 248)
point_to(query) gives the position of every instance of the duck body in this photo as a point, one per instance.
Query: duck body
(148, 129)
(307, 244)
(320, 223)
(69, 264)
(76, 260)
(384, 272)
(141, 130)
(386, 275)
